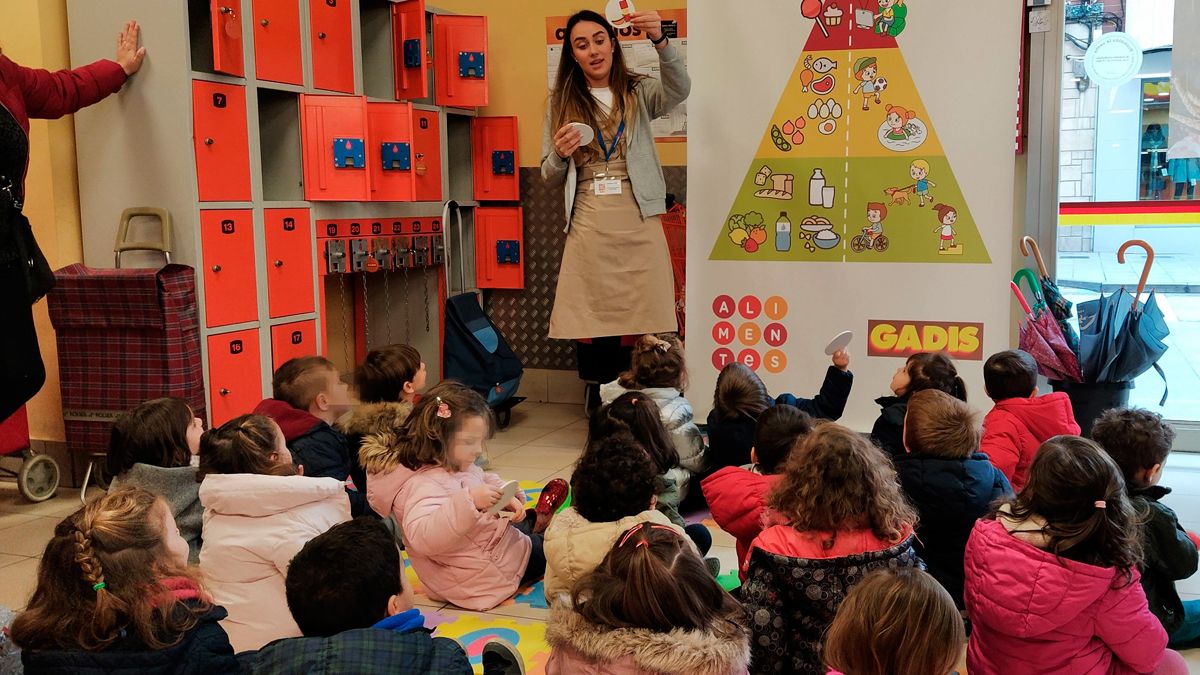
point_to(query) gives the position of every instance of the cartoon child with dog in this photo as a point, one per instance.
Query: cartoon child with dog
(919, 170)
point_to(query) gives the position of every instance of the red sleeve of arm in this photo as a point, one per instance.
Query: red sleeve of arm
(1001, 445)
(50, 95)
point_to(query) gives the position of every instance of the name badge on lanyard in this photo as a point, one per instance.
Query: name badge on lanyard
(602, 185)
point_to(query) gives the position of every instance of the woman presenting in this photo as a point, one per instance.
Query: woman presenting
(29, 93)
(615, 278)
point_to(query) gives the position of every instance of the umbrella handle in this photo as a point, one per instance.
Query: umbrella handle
(1145, 268)
(1020, 298)
(1035, 286)
(1028, 243)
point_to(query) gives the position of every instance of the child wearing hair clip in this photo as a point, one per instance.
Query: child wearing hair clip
(427, 477)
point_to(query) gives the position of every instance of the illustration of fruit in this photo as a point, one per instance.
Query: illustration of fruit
(750, 245)
(758, 235)
(738, 236)
(823, 85)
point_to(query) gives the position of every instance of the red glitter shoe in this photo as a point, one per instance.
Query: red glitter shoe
(553, 496)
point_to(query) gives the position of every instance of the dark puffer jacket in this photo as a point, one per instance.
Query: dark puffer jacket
(1170, 556)
(950, 495)
(888, 432)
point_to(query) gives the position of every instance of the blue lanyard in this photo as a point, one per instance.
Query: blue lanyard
(609, 150)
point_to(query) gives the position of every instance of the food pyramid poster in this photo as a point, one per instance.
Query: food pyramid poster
(850, 168)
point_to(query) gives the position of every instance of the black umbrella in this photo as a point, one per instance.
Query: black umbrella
(1139, 341)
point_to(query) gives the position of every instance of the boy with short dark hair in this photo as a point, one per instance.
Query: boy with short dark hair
(1139, 442)
(309, 396)
(349, 595)
(1020, 421)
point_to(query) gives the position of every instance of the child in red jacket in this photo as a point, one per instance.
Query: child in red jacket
(1021, 420)
(737, 495)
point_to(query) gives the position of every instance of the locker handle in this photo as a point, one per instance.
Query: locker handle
(320, 36)
(227, 10)
(216, 268)
(264, 23)
(208, 141)
(279, 263)
(403, 33)
(223, 391)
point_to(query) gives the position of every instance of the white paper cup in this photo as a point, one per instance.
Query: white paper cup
(827, 194)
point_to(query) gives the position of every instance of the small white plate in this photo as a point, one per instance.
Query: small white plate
(616, 14)
(506, 495)
(586, 133)
(838, 343)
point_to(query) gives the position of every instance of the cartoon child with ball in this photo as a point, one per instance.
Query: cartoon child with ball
(865, 71)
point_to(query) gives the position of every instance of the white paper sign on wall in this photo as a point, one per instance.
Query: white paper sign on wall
(1113, 59)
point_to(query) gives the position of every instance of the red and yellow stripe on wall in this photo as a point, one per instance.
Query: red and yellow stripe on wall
(1076, 214)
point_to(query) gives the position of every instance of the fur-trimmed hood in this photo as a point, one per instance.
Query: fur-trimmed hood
(580, 647)
(380, 453)
(368, 419)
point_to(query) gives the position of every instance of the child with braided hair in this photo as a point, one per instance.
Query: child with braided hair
(115, 595)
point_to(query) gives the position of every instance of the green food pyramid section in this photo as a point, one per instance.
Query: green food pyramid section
(850, 148)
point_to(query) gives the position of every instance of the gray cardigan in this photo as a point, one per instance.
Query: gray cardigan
(179, 488)
(655, 99)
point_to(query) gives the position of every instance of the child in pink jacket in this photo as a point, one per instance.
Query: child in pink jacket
(427, 477)
(1052, 581)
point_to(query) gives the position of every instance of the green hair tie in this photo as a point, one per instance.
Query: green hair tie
(97, 587)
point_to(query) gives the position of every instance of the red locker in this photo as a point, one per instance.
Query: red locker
(333, 134)
(221, 140)
(460, 61)
(390, 152)
(499, 247)
(277, 41)
(227, 253)
(427, 156)
(289, 262)
(234, 374)
(332, 45)
(494, 156)
(227, 37)
(292, 340)
(410, 64)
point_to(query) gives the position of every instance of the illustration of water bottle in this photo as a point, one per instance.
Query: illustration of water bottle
(816, 188)
(783, 233)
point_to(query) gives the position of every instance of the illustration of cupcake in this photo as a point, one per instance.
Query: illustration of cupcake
(833, 15)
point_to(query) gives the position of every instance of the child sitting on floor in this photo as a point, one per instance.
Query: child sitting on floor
(257, 514)
(1052, 580)
(925, 370)
(115, 595)
(895, 622)
(152, 447)
(837, 515)
(740, 397)
(737, 495)
(309, 396)
(636, 413)
(427, 478)
(649, 607)
(612, 489)
(1020, 420)
(948, 480)
(658, 370)
(1139, 442)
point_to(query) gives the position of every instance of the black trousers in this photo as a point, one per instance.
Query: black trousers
(21, 371)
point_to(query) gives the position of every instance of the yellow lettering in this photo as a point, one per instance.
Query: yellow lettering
(968, 340)
(934, 338)
(909, 340)
(883, 335)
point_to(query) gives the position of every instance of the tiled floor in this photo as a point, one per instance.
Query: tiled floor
(542, 443)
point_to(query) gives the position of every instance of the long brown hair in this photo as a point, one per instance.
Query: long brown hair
(739, 393)
(154, 433)
(1078, 489)
(838, 480)
(427, 433)
(572, 100)
(895, 622)
(934, 370)
(657, 362)
(653, 579)
(244, 444)
(637, 414)
(101, 575)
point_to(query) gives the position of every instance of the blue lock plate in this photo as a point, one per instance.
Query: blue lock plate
(396, 156)
(470, 64)
(508, 251)
(503, 162)
(349, 153)
(412, 53)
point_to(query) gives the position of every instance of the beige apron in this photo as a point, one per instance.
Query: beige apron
(615, 277)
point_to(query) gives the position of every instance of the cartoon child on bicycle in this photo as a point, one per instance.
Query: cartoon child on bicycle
(872, 236)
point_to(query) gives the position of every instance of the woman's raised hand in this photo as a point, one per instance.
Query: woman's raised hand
(129, 54)
(649, 22)
(566, 141)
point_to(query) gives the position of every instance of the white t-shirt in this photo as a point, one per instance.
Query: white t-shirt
(603, 96)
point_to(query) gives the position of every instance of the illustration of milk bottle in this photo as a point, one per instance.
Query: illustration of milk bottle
(816, 186)
(783, 233)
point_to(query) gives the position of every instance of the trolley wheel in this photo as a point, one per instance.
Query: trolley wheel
(857, 245)
(38, 478)
(881, 243)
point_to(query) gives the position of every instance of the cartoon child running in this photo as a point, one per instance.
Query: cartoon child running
(865, 70)
(919, 170)
(897, 121)
(876, 212)
(947, 216)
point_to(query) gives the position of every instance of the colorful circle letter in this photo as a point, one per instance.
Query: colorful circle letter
(775, 334)
(723, 306)
(722, 357)
(722, 333)
(750, 306)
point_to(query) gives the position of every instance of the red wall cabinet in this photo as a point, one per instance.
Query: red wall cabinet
(494, 156)
(334, 135)
(332, 45)
(289, 262)
(427, 156)
(460, 61)
(292, 340)
(277, 41)
(411, 71)
(221, 141)
(227, 253)
(499, 247)
(390, 152)
(227, 37)
(234, 374)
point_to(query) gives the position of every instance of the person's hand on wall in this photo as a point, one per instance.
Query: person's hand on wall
(566, 141)
(129, 54)
(649, 22)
